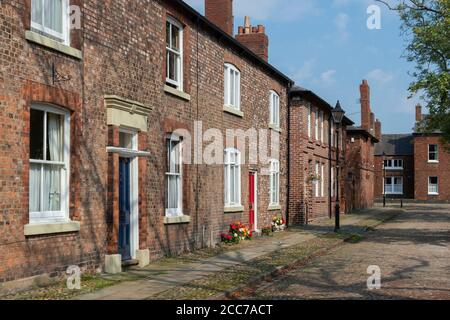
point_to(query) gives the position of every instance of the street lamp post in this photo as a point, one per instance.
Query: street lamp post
(338, 115)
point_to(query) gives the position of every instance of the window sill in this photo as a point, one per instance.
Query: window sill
(433, 162)
(233, 111)
(52, 44)
(433, 194)
(234, 209)
(276, 128)
(177, 220)
(274, 207)
(177, 93)
(51, 228)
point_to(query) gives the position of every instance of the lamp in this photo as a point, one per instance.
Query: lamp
(338, 115)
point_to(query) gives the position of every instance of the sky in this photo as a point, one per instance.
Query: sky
(326, 46)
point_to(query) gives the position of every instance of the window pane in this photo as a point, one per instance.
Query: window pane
(173, 187)
(226, 184)
(35, 187)
(175, 38)
(36, 11)
(232, 184)
(37, 134)
(54, 137)
(52, 188)
(125, 140)
(434, 180)
(236, 184)
(53, 15)
(172, 64)
(168, 34)
(232, 88)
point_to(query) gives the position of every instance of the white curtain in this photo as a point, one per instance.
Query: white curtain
(35, 187)
(52, 173)
(36, 11)
(53, 15)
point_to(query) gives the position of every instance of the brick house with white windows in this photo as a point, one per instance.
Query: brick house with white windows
(413, 166)
(94, 121)
(313, 146)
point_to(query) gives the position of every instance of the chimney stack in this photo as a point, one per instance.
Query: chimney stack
(220, 12)
(372, 123)
(365, 106)
(254, 38)
(378, 133)
(418, 113)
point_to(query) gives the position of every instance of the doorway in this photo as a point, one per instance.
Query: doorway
(253, 200)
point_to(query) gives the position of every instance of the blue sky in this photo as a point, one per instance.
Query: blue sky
(325, 46)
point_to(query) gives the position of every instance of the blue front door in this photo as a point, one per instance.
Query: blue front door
(124, 209)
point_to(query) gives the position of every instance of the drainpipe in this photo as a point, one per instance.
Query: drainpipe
(288, 139)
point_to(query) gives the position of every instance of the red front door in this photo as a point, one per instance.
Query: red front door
(252, 200)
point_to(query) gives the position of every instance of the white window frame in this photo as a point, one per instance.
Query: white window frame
(232, 75)
(321, 115)
(64, 36)
(177, 84)
(316, 124)
(309, 121)
(434, 152)
(393, 164)
(436, 186)
(322, 180)
(317, 186)
(227, 178)
(332, 182)
(274, 109)
(333, 133)
(43, 217)
(274, 188)
(391, 188)
(174, 212)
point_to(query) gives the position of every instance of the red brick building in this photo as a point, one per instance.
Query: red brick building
(413, 166)
(313, 146)
(360, 161)
(94, 122)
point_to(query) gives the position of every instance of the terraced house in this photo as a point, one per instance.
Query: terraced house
(102, 126)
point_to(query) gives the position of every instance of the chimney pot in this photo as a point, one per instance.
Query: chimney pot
(254, 38)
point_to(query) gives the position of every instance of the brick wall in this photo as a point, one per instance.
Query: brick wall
(424, 169)
(123, 55)
(360, 179)
(407, 173)
(304, 205)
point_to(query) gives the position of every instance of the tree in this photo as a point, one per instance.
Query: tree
(426, 27)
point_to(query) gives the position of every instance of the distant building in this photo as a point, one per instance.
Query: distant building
(413, 166)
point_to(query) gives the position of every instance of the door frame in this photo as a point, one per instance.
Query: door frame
(134, 191)
(255, 173)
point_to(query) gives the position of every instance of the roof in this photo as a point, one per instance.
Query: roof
(362, 131)
(222, 35)
(313, 97)
(395, 145)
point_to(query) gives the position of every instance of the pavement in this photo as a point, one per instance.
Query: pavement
(412, 252)
(159, 277)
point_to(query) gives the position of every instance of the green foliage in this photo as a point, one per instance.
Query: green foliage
(426, 28)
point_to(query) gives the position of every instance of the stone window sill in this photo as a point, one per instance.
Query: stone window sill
(274, 207)
(51, 228)
(177, 93)
(52, 44)
(177, 220)
(233, 111)
(234, 209)
(433, 162)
